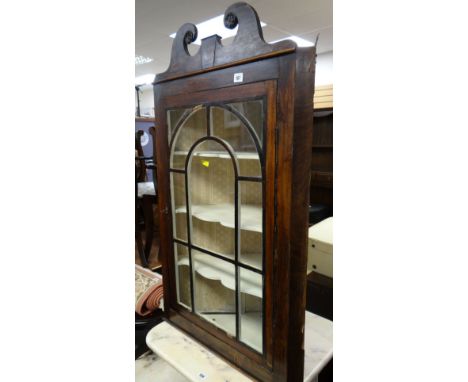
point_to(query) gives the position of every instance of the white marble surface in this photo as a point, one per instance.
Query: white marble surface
(189, 358)
(152, 368)
(197, 363)
(318, 345)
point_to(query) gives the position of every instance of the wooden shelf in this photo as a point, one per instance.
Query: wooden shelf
(221, 154)
(321, 178)
(251, 215)
(214, 269)
(252, 259)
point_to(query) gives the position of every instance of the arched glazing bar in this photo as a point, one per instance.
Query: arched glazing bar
(238, 177)
(209, 133)
(185, 116)
(245, 123)
(235, 164)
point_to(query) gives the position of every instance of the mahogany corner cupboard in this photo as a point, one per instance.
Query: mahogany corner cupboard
(233, 143)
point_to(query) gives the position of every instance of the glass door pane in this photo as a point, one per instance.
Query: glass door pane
(179, 207)
(214, 291)
(212, 191)
(251, 309)
(185, 131)
(251, 222)
(217, 201)
(228, 124)
(182, 266)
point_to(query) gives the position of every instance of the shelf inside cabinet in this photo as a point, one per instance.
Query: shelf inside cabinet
(251, 215)
(211, 268)
(253, 260)
(220, 154)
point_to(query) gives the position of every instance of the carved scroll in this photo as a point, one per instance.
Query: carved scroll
(248, 45)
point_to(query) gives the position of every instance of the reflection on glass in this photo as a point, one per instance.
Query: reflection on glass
(193, 128)
(251, 307)
(227, 126)
(179, 217)
(181, 259)
(214, 294)
(212, 192)
(253, 112)
(173, 117)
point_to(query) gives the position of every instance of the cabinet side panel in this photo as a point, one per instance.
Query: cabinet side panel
(294, 141)
(283, 186)
(302, 155)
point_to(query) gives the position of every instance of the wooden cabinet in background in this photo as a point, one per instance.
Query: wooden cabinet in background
(321, 185)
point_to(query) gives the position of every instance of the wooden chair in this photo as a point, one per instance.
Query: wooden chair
(145, 199)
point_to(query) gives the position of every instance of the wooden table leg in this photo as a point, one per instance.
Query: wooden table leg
(147, 202)
(138, 237)
(140, 249)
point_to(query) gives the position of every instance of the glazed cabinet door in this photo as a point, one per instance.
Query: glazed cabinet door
(220, 155)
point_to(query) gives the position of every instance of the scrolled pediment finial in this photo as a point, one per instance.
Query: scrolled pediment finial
(190, 36)
(246, 17)
(180, 54)
(230, 20)
(186, 34)
(248, 44)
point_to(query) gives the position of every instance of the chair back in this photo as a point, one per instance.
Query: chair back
(140, 164)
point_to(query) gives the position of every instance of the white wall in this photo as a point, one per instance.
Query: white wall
(146, 101)
(324, 69)
(323, 76)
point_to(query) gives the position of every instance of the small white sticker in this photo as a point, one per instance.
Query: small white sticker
(238, 77)
(202, 376)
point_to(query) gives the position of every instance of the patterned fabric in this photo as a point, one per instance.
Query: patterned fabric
(148, 291)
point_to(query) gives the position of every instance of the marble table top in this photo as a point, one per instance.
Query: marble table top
(151, 368)
(197, 363)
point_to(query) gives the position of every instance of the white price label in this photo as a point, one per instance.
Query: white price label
(238, 77)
